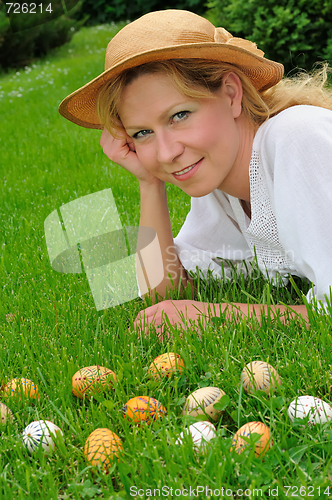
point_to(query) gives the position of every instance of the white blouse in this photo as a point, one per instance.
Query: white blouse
(290, 229)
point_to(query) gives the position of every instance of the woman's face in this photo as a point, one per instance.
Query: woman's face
(173, 132)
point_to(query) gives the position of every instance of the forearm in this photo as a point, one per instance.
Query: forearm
(150, 264)
(259, 311)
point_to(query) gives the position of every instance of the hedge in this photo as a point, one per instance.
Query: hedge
(28, 41)
(297, 33)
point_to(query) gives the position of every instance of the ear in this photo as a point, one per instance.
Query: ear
(232, 87)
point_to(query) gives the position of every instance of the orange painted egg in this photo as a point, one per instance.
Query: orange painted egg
(261, 446)
(101, 447)
(18, 387)
(258, 375)
(201, 402)
(143, 409)
(92, 380)
(165, 365)
(5, 413)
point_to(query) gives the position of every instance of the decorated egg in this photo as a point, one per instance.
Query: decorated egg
(258, 375)
(101, 447)
(165, 365)
(317, 411)
(201, 402)
(261, 446)
(5, 413)
(143, 409)
(18, 387)
(40, 432)
(92, 380)
(201, 433)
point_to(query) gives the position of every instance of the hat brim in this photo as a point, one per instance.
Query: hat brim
(80, 107)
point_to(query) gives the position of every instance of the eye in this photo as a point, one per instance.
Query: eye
(180, 116)
(141, 133)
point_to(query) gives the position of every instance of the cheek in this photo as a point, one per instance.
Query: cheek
(213, 130)
(209, 136)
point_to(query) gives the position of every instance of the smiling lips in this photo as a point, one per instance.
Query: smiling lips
(187, 169)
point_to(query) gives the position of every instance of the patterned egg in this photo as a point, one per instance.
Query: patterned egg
(201, 402)
(40, 432)
(92, 380)
(165, 365)
(261, 446)
(21, 386)
(5, 413)
(317, 411)
(201, 433)
(101, 447)
(259, 375)
(143, 409)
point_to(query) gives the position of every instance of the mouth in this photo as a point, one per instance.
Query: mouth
(187, 169)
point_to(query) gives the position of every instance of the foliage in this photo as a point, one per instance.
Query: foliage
(19, 47)
(296, 33)
(101, 11)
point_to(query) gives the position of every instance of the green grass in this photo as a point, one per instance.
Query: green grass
(50, 328)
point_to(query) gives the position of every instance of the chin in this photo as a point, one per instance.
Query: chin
(199, 191)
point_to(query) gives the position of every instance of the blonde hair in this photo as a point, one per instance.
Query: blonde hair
(198, 78)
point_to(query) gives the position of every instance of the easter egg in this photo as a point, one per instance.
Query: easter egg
(143, 409)
(101, 447)
(258, 375)
(201, 433)
(261, 446)
(92, 380)
(40, 432)
(18, 387)
(165, 365)
(5, 413)
(201, 402)
(317, 411)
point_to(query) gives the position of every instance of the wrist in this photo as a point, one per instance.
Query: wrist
(148, 186)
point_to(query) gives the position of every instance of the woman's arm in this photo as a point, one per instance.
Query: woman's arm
(259, 310)
(155, 215)
(182, 311)
(159, 258)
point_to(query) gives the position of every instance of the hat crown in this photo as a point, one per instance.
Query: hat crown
(158, 30)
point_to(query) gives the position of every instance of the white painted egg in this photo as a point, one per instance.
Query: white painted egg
(318, 411)
(40, 431)
(201, 433)
(202, 401)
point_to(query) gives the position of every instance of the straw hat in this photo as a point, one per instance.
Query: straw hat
(169, 34)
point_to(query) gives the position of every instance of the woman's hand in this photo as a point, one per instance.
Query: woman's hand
(122, 151)
(177, 311)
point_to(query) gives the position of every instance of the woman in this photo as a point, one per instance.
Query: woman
(183, 102)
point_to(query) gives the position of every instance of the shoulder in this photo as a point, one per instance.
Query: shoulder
(297, 123)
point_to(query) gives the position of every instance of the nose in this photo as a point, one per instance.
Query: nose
(169, 147)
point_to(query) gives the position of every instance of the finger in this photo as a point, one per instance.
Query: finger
(141, 324)
(105, 136)
(131, 146)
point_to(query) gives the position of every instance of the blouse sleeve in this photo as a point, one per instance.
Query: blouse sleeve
(298, 147)
(210, 238)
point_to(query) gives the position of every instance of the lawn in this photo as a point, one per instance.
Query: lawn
(50, 328)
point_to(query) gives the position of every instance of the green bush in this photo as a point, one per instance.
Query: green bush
(106, 11)
(297, 33)
(30, 41)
